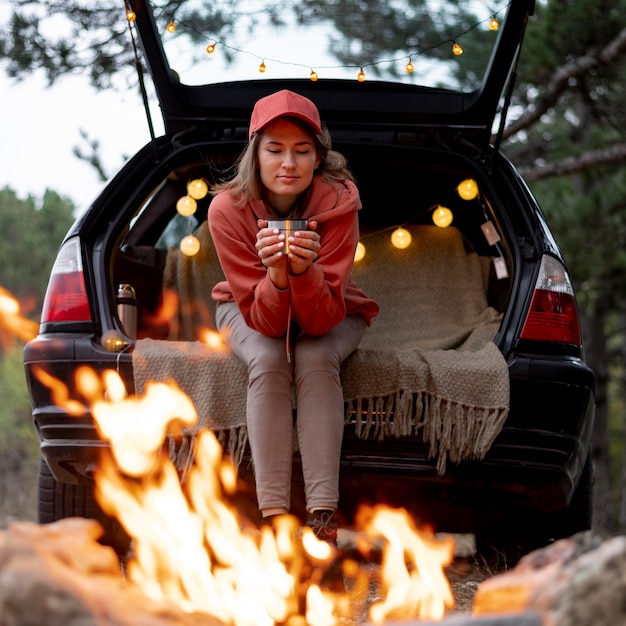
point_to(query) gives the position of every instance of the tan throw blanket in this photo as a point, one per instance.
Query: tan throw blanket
(427, 365)
(216, 382)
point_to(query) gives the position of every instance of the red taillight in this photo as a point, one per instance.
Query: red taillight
(553, 314)
(66, 296)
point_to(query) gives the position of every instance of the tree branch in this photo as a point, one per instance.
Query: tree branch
(570, 165)
(559, 82)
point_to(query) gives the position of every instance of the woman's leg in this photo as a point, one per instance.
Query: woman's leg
(269, 412)
(320, 408)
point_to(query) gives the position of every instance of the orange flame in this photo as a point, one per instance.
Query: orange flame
(217, 341)
(12, 320)
(192, 548)
(412, 574)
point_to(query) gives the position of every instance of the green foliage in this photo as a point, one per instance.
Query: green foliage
(92, 39)
(17, 437)
(32, 232)
(561, 31)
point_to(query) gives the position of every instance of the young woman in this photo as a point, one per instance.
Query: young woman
(294, 316)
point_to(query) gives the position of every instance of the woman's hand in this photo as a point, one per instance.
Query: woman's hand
(270, 246)
(304, 246)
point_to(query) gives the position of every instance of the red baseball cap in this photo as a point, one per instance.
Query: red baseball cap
(280, 104)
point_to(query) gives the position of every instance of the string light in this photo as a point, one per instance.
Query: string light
(113, 341)
(186, 206)
(197, 188)
(457, 49)
(359, 253)
(190, 245)
(131, 16)
(467, 189)
(442, 216)
(401, 238)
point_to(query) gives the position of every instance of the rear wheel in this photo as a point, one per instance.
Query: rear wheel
(58, 501)
(528, 531)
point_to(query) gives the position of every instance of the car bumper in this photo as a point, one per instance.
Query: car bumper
(535, 461)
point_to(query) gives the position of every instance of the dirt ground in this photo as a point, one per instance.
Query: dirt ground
(468, 569)
(465, 575)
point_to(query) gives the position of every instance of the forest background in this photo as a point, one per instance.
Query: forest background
(566, 133)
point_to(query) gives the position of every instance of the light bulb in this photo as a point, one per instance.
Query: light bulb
(113, 341)
(313, 76)
(457, 50)
(131, 16)
(210, 48)
(409, 67)
(493, 24)
(262, 67)
(171, 27)
(186, 206)
(467, 189)
(442, 216)
(361, 75)
(401, 238)
(359, 253)
(189, 245)
(197, 188)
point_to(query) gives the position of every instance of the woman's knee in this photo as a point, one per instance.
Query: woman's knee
(314, 354)
(268, 357)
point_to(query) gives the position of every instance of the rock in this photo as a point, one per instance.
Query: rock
(58, 575)
(576, 581)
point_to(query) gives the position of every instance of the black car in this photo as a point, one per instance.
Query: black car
(126, 285)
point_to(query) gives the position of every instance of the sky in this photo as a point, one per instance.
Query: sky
(41, 125)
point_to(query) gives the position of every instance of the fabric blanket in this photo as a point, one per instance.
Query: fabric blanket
(428, 364)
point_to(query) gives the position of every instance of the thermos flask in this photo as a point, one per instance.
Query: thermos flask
(127, 309)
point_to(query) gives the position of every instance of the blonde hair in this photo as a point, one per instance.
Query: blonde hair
(246, 182)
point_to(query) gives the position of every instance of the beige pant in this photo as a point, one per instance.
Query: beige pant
(315, 371)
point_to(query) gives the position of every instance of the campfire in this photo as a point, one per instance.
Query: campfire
(191, 546)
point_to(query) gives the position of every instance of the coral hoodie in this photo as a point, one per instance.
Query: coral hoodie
(319, 298)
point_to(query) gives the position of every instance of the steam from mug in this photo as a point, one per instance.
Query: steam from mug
(288, 227)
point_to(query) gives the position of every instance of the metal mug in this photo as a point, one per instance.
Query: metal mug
(287, 227)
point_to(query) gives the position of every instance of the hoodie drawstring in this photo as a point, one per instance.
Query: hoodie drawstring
(288, 337)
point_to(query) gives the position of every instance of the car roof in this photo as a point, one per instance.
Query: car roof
(387, 101)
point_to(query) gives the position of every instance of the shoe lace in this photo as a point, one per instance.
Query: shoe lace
(323, 523)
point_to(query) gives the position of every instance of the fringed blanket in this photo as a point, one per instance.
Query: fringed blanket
(427, 365)
(216, 382)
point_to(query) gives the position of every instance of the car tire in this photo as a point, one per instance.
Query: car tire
(58, 501)
(533, 531)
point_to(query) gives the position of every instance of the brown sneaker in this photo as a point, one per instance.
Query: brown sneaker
(324, 524)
